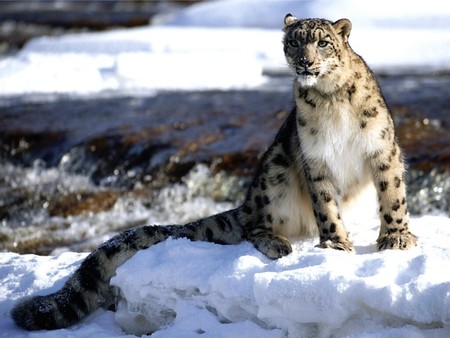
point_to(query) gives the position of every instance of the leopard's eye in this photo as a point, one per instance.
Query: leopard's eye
(322, 43)
(293, 43)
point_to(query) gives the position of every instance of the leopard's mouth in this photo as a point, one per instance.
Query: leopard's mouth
(307, 77)
(306, 72)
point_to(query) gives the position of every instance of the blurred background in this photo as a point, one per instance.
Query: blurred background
(22, 20)
(120, 113)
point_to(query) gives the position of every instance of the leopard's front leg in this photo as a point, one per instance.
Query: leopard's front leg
(388, 175)
(326, 210)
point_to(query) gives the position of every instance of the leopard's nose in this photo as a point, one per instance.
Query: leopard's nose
(303, 62)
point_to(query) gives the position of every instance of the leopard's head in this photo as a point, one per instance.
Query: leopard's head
(317, 50)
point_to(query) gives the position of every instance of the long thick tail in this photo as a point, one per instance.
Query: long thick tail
(88, 289)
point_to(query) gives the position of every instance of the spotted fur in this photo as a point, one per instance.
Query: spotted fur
(338, 139)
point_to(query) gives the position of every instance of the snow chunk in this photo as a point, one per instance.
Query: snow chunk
(310, 292)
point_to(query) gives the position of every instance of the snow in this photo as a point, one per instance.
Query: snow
(222, 45)
(192, 289)
(187, 289)
(308, 293)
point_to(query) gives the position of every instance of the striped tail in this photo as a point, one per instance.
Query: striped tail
(88, 288)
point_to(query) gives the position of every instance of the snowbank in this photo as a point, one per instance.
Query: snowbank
(193, 289)
(251, 13)
(139, 59)
(210, 46)
(311, 293)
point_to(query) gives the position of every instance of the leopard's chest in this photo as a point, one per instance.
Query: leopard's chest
(335, 140)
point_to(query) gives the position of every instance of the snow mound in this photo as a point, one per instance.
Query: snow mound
(187, 288)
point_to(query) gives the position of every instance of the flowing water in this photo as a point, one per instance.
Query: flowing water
(75, 170)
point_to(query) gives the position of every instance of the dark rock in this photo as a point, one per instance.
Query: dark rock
(426, 144)
(23, 146)
(119, 141)
(76, 203)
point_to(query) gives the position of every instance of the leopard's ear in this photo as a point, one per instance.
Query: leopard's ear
(343, 28)
(289, 19)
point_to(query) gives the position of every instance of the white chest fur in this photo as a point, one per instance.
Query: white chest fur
(334, 138)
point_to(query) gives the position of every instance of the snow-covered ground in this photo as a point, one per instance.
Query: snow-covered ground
(207, 290)
(197, 289)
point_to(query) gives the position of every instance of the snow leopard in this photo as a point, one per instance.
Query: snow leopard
(338, 139)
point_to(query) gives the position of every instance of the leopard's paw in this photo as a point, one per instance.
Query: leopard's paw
(400, 240)
(273, 246)
(344, 245)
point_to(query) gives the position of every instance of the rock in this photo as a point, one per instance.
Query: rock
(78, 203)
(120, 141)
(426, 143)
